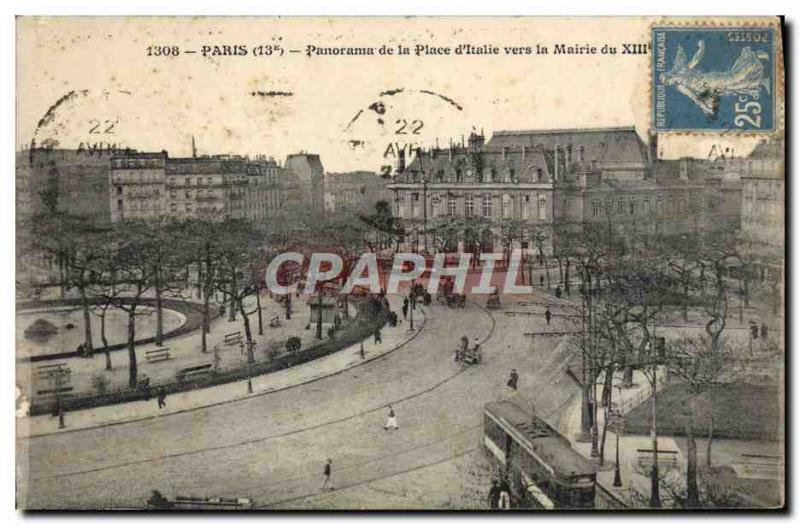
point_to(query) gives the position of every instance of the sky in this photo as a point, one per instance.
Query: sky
(91, 81)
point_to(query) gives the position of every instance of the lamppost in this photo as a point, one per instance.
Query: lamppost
(425, 211)
(251, 352)
(619, 427)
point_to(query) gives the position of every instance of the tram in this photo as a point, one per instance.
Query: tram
(541, 467)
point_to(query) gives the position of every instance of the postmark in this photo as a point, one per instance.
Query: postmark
(714, 78)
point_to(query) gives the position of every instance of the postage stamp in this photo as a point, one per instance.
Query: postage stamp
(714, 78)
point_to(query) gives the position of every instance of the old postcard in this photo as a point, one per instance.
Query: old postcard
(400, 263)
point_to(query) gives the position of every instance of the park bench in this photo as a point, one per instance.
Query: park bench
(233, 338)
(53, 391)
(275, 322)
(207, 503)
(159, 354)
(666, 458)
(193, 372)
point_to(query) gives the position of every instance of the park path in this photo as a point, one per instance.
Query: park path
(393, 338)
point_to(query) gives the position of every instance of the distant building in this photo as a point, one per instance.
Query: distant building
(559, 177)
(72, 181)
(763, 208)
(356, 191)
(309, 176)
(153, 186)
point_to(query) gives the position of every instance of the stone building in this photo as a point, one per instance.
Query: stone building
(153, 186)
(266, 194)
(558, 177)
(762, 218)
(309, 177)
(355, 192)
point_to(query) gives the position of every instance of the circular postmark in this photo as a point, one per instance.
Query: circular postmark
(398, 122)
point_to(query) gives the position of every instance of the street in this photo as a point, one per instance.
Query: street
(271, 448)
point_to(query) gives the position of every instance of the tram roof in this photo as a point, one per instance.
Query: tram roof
(545, 441)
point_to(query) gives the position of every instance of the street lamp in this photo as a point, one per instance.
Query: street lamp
(619, 427)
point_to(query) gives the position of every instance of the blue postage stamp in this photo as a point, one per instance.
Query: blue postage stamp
(708, 79)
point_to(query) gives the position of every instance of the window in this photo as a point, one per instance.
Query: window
(539, 174)
(620, 207)
(487, 206)
(458, 174)
(468, 206)
(451, 205)
(542, 207)
(512, 175)
(609, 208)
(507, 206)
(632, 207)
(581, 151)
(646, 206)
(595, 209)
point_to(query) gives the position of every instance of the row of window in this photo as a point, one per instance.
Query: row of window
(524, 208)
(660, 206)
(488, 176)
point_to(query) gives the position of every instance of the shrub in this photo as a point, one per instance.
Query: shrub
(100, 383)
(293, 344)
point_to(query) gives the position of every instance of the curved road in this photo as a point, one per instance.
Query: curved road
(272, 448)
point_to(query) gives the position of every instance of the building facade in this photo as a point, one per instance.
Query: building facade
(152, 186)
(308, 177)
(541, 179)
(355, 192)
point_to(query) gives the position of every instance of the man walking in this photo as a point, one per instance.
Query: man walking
(391, 421)
(378, 336)
(494, 495)
(405, 308)
(513, 379)
(326, 476)
(547, 314)
(162, 398)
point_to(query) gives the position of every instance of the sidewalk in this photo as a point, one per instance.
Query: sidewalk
(634, 461)
(393, 338)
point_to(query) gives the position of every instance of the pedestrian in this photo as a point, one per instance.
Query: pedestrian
(504, 498)
(391, 421)
(326, 476)
(547, 314)
(753, 330)
(405, 308)
(378, 336)
(541, 281)
(513, 379)
(162, 398)
(494, 495)
(764, 330)
(558, 292)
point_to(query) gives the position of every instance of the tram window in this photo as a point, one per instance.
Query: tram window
(494, 432)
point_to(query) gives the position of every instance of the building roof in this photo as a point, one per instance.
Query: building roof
(601, 145)
(525, 166)
(204, 165)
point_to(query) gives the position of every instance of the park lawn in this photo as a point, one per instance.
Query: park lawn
(741, 411)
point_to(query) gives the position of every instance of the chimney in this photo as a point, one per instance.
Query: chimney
(555, 163)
